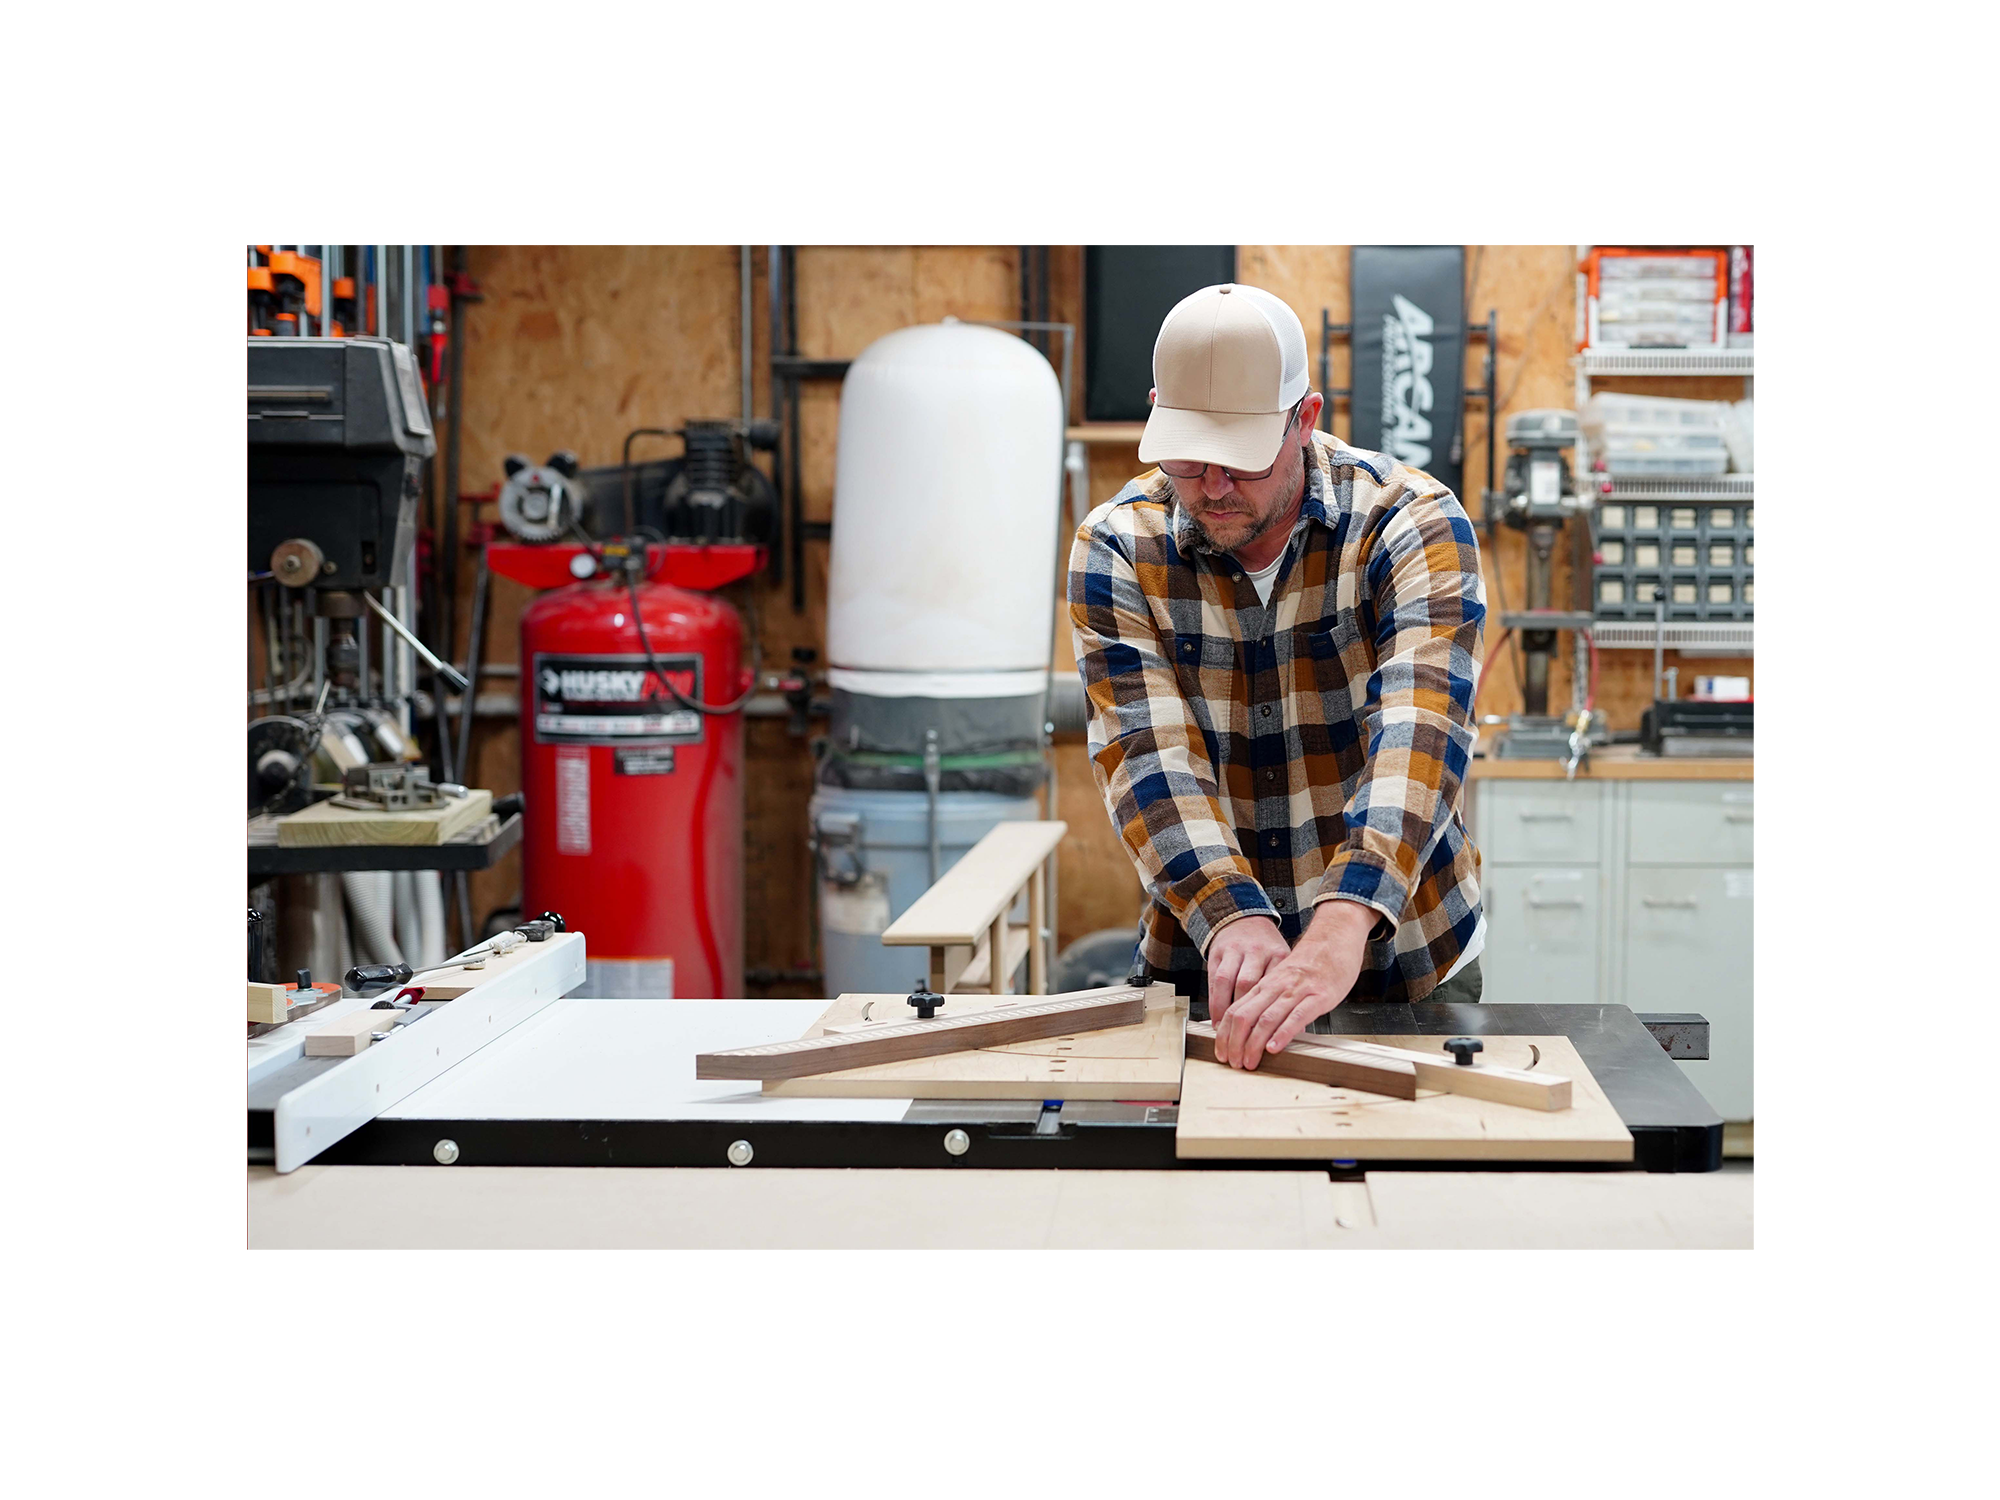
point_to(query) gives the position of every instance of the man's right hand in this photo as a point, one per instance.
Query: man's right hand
(1238, 957)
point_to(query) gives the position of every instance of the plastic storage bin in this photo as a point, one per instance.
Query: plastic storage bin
(1701, 555)
(1636, 299)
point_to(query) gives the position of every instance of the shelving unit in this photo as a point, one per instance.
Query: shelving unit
(1707, 637)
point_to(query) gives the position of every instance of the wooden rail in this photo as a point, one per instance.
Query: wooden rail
(963, 918)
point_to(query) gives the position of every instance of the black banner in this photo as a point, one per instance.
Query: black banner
(1128, 290)
(1409, 356)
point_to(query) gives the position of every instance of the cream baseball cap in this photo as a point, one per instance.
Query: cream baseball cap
(1229, 365)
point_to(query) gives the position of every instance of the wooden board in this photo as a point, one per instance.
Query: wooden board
(1228, 1113)
(268, 1002)
(324, 824)
(1010, 1019)
(1318, 1060)
(1535, 1087)
(961, 907)
(1141, 1062)
(975, 975)
(346, 1035)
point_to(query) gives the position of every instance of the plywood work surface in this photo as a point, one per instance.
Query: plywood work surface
(1228, 1113)
(323, 824)
(1125, 1062)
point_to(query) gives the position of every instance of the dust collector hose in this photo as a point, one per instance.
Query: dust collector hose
(409, 926)
(370, 904)
(430, 917)
(1069, 709)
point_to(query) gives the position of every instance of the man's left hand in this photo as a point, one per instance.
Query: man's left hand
(1297, 991)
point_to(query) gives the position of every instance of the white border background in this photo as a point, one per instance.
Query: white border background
(1844, 1351)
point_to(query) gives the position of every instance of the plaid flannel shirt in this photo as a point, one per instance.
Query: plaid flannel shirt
(1259, 759)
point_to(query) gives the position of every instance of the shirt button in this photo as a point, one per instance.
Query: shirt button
(1274, 841)
(1279, 902)
(1271, 774)
(1265, 710)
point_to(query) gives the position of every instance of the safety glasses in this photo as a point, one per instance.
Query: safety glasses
(1179, 470)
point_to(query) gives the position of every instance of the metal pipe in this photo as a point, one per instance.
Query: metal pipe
(382, 290)
(772, 284)
(319, 660)
(409, 300)
(361, 656)
(1659, 637)
(933, 778)
(1492, 394)
(792, 402)
(1325, 370)
(455, 385)
(744, 276)
(274, 667)
(625, 464)
(450, 673)
(475, 644)
(1049, 907)
(406, 659)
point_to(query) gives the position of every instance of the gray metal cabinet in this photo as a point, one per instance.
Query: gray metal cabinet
(1688, 947)
(1542, 933)
(1626, 892)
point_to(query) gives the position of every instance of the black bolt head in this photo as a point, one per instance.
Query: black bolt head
(1462, 1047)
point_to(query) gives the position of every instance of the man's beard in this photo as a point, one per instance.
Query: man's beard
(1262, 524)
(1257, 528)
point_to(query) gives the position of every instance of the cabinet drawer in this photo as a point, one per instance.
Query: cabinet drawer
(1692, 823)
(1688, 947)
(1540, 822)
(1542, 928)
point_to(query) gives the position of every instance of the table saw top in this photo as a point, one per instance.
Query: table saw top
(611, 1082)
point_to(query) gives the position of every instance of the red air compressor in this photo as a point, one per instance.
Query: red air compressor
(634, 818)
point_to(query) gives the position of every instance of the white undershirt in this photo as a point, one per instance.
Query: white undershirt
(1266, 578)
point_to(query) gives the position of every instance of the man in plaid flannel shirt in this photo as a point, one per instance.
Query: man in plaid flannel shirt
(1279, 636)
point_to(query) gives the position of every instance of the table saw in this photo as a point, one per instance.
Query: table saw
(509, 1073)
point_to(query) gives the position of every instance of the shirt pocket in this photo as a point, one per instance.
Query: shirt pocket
(1330, 647)
(1205, 666)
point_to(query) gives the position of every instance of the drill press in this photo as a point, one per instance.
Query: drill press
(1539, 495)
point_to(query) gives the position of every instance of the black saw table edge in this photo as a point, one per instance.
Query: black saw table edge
(1673, 1128)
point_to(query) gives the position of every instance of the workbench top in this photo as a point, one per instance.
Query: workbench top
(1617, 763)
(688, 1207)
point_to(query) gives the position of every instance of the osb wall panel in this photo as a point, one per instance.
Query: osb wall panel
(575, 346)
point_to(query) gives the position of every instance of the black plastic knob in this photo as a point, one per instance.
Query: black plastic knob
(305, 977)
(925, 1001)
(1462, 1047)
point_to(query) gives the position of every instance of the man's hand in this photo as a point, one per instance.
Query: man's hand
(1296, 990)
(1238, 956)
